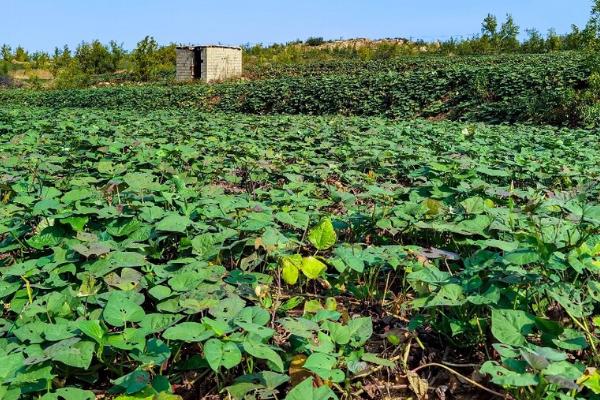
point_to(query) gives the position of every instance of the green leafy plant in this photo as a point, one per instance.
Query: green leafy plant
(146, 254)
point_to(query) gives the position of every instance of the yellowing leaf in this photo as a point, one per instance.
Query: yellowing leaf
(296, 371)
(290, 274)
(312, 307)
(489, 203)
(331, 304)
(433, 206)
(291, 265)
(312, 267)
(591, 380)
(323, 236)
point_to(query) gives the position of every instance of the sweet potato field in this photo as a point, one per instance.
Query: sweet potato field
(560, 89)
(174, 254)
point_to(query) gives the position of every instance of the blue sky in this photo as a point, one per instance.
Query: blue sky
(43, 24)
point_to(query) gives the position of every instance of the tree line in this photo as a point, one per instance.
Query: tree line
(504, 38)
(495, 38)
(92, 62)
(147, 62)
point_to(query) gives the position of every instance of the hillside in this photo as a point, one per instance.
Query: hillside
(557, 89)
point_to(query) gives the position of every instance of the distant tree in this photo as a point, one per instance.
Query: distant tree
(449, 46)
(553, 41)
(61, 59)
(489, 26)
(5, 79)
(40, 59)
(95, 58)
(595, 17)
(166, 56)
(7, 54)
(21, 55)
(588, 34)
(117, 53)
(489, 34)
(534, 43)
(508, 35)
(314, 41)
(591, 32)
(145, 60)
(574, 39)
(71, 76)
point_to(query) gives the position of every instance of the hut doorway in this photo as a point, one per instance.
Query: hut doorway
(197, 63)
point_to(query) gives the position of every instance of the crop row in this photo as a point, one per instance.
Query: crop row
(175, 252)
(404, 64)
(513, 91)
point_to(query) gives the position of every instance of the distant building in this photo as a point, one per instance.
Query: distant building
(208, 63)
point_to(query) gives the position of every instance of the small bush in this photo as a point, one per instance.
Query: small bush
(5, 79)
(591, 115)
(314, 41)
(71, 77)
(594, 84)
(35, 82)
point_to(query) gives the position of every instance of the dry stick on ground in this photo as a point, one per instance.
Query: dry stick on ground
(318, 296)
(472, 382)
(200, 376)
(387, 281)
(374, 369)
(277, 302)
(451, 364)
(388, 387)
(398, 317)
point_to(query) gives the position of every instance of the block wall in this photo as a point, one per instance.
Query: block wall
(221, 63)
(185, 65)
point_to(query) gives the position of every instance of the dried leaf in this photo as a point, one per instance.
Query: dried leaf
(417, 385)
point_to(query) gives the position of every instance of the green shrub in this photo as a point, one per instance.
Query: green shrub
(3, 68)
(71, 77)
(591, 115)
(35, 82)
(150, 61)
(96, 58)
(594, 84)
(314, 41)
